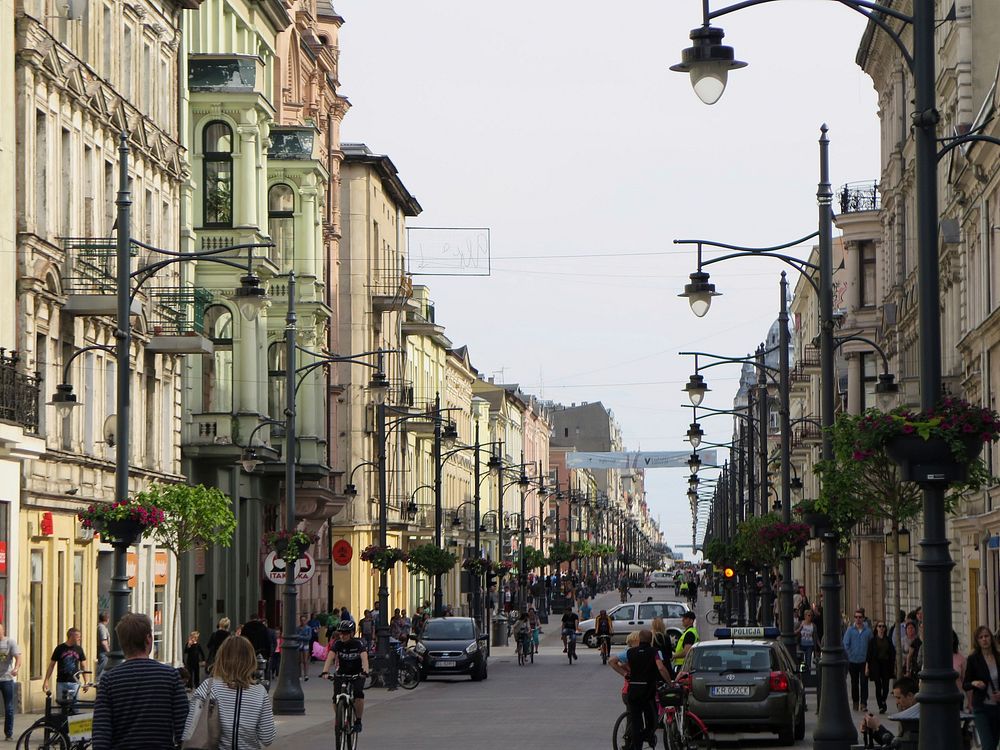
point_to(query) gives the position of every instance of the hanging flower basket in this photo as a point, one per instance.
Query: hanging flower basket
(289, 546)
(934, 447)
(477, 566)
(123, 521)
(383, 558)
(502, 567)
(786, 539)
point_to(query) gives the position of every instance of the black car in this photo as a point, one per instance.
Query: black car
(452, 645)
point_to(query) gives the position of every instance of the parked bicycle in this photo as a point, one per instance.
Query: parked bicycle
(58, 728)
(345, 718)
(712, 616)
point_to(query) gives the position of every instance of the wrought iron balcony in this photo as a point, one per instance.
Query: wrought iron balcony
(224, 73)
(871, 528)
(18, 394)
(390, 290)
(859, 196)
(179, 312)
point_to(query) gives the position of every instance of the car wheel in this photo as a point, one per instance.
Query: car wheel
(478, 673)
(786, 734)
(486, 674)
(590, 639)
(800, 725)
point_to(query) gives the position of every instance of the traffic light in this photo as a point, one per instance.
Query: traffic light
(728, 572)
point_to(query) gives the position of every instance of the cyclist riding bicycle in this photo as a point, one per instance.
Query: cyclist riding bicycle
(351, 660)
(522, 633)
(535, 623)
(604, 629)
(570, 622)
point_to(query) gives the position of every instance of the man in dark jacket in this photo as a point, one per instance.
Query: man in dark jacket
(640, 666)
(255, 631)
(904, 690)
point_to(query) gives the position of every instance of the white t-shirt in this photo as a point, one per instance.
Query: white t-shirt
(8, 650)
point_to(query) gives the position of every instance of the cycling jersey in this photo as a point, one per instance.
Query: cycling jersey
(348, 656)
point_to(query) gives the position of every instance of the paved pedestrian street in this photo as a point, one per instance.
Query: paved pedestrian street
(546, 704)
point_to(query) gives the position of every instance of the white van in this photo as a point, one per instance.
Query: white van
(661, 578)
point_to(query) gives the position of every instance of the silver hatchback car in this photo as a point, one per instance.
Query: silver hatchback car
(746, 683)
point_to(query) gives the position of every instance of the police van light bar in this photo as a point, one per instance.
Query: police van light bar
(727, 633)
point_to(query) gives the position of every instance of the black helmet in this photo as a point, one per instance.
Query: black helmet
(345, 626)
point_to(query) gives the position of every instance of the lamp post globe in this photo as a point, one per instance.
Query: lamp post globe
(696, 388)
(378, 387)
(449, 436)
(699, 293)
(708, 63)
(695, 434)
(64, 400)
(886, 391)
(250, 297)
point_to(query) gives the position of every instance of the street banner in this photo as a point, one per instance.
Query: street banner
(636, 459)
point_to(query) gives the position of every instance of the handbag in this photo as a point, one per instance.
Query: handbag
(206, 730)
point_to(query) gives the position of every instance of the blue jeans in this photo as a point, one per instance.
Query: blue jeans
(67, 689)
(7, 691)
(807, 657)
(987, 719)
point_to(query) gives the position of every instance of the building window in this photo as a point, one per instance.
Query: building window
(77, 590)
(218, 182)
(36, 616)
(217, 379)
(867, 276)
(276, 383)
(869, 377)
(281, 224)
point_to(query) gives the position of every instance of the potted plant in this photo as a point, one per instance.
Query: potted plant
(288, 545)
(382, 558)
(431, 560)
(813, 515)
(941, 445)
(123, 521)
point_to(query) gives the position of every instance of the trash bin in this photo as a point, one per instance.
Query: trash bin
(499, 633)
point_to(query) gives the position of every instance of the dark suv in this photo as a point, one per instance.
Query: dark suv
(451, 645)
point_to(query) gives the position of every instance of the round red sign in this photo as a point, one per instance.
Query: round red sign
(342, 552)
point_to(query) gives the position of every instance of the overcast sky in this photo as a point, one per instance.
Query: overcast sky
(559, 126)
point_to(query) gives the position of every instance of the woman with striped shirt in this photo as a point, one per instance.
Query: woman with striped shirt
(245, 714)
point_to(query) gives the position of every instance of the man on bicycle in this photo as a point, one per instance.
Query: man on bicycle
(604, 629)
(522, 633)
(570, 621)
(349, 656)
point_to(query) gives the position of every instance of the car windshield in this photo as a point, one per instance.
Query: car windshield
(449, 630)
(731, 659)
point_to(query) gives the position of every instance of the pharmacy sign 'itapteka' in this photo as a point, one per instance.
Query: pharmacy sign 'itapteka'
(274, 568)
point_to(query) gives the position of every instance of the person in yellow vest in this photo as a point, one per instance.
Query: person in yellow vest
(686, 640)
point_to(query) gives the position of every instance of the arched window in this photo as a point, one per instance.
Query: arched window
(217, 371)
(281, 224)
(218, 175)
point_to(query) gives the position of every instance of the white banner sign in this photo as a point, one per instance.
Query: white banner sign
(636, 459)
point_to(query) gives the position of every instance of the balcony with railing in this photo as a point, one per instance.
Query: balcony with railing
(18, 394)
(177, 322)
(90, 276)
(390, 290)
(857, 197)
(226, 74)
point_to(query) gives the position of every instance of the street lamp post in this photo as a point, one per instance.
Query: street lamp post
(250, 298)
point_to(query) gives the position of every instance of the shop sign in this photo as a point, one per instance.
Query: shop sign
(3, 558)
(274, 568)
(161, 566)
(131, 566)
(342, 552)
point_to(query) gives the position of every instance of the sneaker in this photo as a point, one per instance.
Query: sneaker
(357, 727)
(306, 678)
(565, 649)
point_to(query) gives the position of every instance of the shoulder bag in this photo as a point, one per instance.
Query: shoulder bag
(207, 729)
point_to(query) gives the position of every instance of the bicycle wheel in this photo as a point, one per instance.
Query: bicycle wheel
(571, 650)
(531, 652)
(695, 735)
(712, 616)
(350, 735)
(620, 736)
(339, 724)
(42, 736)
(409, 677)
